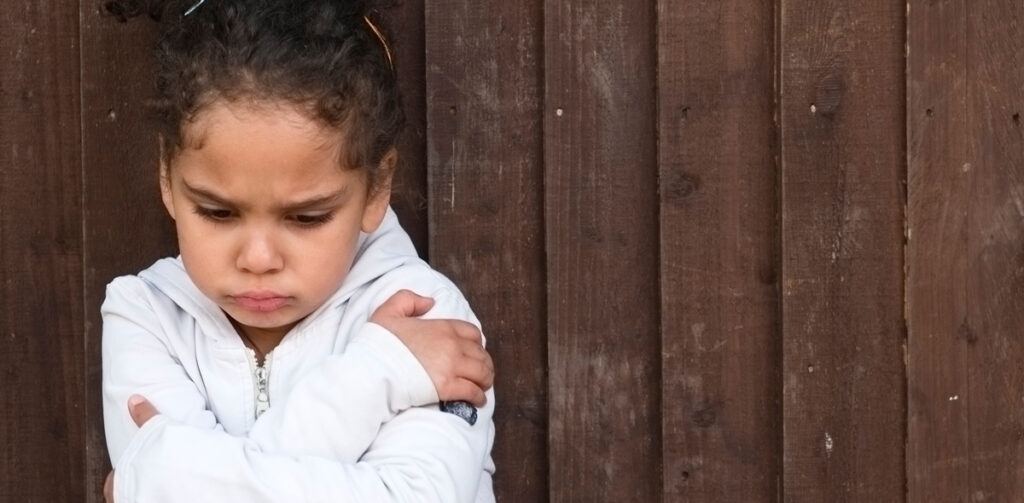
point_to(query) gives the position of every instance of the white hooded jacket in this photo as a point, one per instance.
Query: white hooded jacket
(352, 415)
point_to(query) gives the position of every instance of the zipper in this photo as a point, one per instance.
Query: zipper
(261, 381)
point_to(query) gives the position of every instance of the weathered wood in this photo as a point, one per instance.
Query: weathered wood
(553, 182)
(994, 328)
(938, 199)
(409, 197)
(42, 395)
(125, 226)
(841, 83)
(966, 251)
(601, 211)
(719, 251)
(486, 209)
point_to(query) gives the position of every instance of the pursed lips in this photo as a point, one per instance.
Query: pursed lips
(260, 301)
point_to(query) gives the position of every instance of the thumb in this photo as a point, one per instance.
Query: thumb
(141, 410)
(405, 304)
(421, 305)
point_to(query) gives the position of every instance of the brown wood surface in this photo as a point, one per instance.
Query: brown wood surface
(409, 195)
(682, 224)
(601, 215)
(125, 226)
(486, 209)
(966, 252)
(42, 396)
(719, 252)
(994, 327)
(841, 77)
(938, 199)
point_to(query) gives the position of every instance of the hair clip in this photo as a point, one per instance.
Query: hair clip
(380, 36)
(192, 8)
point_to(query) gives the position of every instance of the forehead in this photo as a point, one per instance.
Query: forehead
(273, 147)
(225, 117)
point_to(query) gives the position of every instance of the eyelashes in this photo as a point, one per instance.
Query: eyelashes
(213, 214)
(225, 216)
(314, 220)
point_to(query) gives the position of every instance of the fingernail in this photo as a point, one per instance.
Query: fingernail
(135, 400)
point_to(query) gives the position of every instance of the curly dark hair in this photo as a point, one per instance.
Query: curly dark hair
(321, 56)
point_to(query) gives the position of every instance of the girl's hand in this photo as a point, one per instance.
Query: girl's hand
(108, 488)
(449, 350)
(141, 411)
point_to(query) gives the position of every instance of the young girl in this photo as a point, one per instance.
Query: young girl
(298, 349)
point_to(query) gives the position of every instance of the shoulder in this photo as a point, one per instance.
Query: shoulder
(418, 277)
(139, 289)
(160, 300)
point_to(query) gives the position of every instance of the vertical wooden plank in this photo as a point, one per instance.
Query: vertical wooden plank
(409, 197)
(42, 395)
(937, 267)
(601, 211)
(484, 84)
(966, 251)
(125, 226)
(842, 111)
(719, 251)
(994, 328)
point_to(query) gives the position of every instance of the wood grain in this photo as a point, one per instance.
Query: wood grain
(841, 82)
(722, 413)
(484, 84)
(42, 396)
(601, 214)
(995, 250)
(938, 198)
(966, 251)
(409, 197)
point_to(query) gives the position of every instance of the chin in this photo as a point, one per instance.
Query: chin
(269, 320)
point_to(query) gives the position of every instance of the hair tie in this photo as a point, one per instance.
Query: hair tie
(380, 37)
(192, 8)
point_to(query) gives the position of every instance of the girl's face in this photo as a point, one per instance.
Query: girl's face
(267, 219)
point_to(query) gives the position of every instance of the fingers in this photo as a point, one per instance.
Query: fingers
(141, 410)
(466, 330)
(477, 367)
(403, 304)
(421, 304)
(108, 488)
(462, 389)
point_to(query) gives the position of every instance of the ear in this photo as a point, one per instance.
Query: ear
(165, 188)
(380, 194)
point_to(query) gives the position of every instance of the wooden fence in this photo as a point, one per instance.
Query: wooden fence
(725, 250)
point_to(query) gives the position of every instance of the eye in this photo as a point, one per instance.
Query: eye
(312, 220)
(214, 214)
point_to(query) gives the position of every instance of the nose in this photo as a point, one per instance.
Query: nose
(259, 254)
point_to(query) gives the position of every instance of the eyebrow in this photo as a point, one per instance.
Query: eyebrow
(305, 204)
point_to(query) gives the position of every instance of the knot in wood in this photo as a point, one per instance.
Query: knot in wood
(704, 417)
(828, 94)
(678, 187)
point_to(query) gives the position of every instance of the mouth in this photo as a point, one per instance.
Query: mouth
(260, 301)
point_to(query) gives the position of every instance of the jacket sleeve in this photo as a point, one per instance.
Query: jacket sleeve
(362, 449)
(421, 455)
(337, 409)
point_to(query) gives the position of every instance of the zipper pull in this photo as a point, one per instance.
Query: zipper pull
(262, 393)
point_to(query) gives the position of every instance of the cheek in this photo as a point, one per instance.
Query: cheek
(201, 253)
(327, 262)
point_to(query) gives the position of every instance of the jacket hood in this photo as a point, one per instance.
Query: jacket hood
(388, 248)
